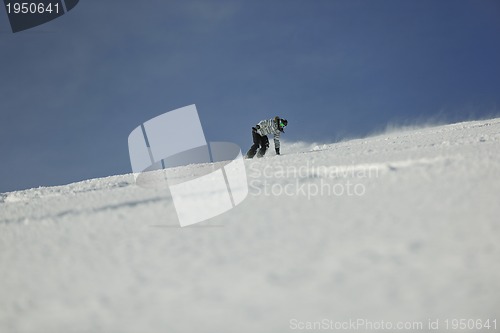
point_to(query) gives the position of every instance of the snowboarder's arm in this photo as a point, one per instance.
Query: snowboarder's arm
(277, 143)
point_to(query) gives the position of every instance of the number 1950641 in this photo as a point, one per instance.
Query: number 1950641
(32, 8)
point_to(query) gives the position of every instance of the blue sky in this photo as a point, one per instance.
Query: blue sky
(73, 89)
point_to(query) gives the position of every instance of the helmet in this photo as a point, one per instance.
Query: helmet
(281, 123)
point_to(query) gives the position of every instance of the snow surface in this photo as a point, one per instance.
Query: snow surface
(416, 238)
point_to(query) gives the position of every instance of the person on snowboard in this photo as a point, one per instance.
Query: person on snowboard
(261, 131)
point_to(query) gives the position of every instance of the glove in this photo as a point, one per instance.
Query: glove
(277, 151)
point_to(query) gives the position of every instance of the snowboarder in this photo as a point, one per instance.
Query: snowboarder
(261, 131)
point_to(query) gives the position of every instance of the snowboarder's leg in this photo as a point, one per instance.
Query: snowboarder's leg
(252, 151)
(264, 144)
(256, 142)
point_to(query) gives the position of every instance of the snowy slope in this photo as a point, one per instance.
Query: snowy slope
(398, 227)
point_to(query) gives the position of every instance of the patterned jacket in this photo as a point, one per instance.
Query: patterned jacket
(267, 127)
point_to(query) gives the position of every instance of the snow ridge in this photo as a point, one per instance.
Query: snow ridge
(416, 238)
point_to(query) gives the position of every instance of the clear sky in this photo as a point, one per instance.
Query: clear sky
(73, 89)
